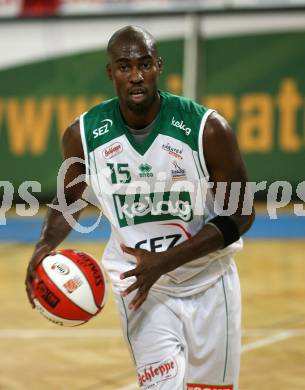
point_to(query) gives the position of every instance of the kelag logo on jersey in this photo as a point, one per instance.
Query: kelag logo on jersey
(181, 125)
(133, 209)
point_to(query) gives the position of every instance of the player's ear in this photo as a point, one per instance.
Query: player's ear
(160, 64)
(109, 72)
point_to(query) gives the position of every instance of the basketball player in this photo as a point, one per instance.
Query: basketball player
(151, 158)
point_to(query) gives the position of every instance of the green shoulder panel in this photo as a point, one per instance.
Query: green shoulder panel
(181, 118)
(101, 124)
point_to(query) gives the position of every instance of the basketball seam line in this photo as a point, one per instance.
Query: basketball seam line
(89, 284)
(54, 284)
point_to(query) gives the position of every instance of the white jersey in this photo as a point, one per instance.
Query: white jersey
(155, 195)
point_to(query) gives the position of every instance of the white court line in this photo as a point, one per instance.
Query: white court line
(271, 331)
(282, 335)
(268, 340)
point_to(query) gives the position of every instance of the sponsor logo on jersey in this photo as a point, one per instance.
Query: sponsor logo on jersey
(133, 209)
(181, 125)
(178, 173)
(106, 123)
(175, 152)
(60, 268)
(161, 242)
(113, 150)
(73, 284)
(145, 170)
(154, 373)
(195, 386)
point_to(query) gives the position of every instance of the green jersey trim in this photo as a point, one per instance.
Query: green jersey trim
(140, 148)
(97, 175)
(85, 147)
(179, 118)
(200, 144)
(99, 125)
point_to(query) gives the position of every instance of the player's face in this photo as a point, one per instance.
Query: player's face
(134, 69)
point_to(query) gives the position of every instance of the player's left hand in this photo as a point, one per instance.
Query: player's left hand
(147, 272)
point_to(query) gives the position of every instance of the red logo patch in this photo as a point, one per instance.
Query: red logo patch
(113, 150)
(195, 386)
(154, 373)
(72, 284)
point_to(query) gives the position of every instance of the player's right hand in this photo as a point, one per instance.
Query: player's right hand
(148, 270)
(39, 254)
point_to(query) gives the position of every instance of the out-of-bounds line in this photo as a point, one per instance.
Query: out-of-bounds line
(269, 340)
(284, 335)
(264, 332)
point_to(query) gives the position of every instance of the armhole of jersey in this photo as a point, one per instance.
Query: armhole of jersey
(200, 146)
(85, 147)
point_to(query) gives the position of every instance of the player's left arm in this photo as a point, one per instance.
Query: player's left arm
(225, 164)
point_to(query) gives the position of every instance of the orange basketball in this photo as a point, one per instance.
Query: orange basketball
(70, 287)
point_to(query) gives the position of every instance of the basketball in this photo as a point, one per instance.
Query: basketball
(70, 287)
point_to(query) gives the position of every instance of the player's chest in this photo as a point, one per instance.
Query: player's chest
(166, 160)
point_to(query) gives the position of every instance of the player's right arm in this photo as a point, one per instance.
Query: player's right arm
(56, 228)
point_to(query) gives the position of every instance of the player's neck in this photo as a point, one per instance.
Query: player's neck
(141, 119)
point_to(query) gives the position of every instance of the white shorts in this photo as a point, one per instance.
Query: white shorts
(188, 343)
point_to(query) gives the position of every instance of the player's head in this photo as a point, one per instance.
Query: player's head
(134, 67)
